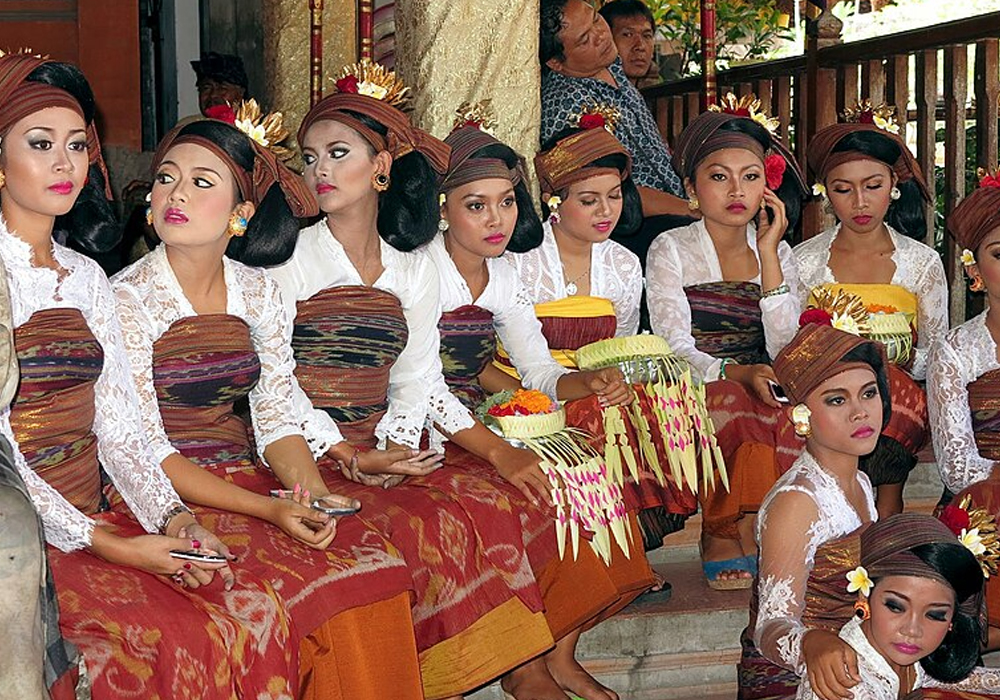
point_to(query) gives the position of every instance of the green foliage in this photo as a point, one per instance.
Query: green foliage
(746, 30)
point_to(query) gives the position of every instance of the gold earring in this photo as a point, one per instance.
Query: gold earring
(976, 285)
(149, 216)
(693, 203)
(380, 182)
(800, 419)
(3, 178)
(237, 225)
(862, 609)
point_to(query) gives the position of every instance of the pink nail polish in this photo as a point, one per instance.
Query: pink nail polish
(196, 544)
(187, 566)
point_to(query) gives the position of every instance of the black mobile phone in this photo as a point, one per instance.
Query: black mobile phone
(195, 555)
(777, 393)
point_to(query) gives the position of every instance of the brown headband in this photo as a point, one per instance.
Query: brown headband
(465, 142)
(21, 97)
(822, 158)
(253, 187)
(815, 354)
(702, 137)
(975, 217)
(886, 545)
(402, 137)
(569, 161)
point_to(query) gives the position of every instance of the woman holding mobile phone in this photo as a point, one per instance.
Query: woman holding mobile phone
(723, 291)
(204, 331)
(126, 603)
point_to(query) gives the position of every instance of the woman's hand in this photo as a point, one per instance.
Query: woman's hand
(755, 378)
(299, 520)
(389, 467)
(521, 469)
(608, 385)
(151, 553)
(206, 541)
(831, 663)
(770, 233)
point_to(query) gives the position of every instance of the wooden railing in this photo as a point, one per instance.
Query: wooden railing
(807, 92)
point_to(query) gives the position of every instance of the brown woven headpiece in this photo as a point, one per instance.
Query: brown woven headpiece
(975, 217)
(822, 159)
(20, 97)
(569, 161)
(267, 170)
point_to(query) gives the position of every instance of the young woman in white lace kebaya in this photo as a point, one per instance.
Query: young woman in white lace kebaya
(878, 194)
(75, 419)
(809, 524)
(724, 293)
(204, 331)
(916, 622)
(963, 371)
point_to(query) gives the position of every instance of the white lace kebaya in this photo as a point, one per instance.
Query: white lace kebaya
(615, 274)
(686, 256)
(958, 359)
(811, 496)
(918, 270)
(121, 446)
(415, 380)
(150, 300)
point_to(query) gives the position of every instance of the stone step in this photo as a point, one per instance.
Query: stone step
(687, 647)
(683, 648)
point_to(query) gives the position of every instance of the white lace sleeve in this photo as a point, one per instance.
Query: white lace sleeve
(780, 313)
(669, 311)
(950, 419)
(416, 382)
(520, 331)
(624, 265)
(65, 527)
(121, 445)
(983, 679)
(272, 407)
(137, 336)
(788, 546)
(932, 310)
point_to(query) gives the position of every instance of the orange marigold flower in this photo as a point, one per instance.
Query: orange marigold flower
(881, 309)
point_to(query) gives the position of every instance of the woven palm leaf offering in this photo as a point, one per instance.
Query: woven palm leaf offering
(683, 430)
(876, 322)
(585, 497)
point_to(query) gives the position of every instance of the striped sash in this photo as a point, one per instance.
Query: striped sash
(468, 341)
(201, 366)
(345, 341)
(569, 324)
(984, 403)
(726, 320)
(53, 413)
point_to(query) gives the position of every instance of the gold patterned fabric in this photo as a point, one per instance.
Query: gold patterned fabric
(454, 52)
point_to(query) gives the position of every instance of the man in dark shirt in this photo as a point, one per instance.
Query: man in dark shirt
(633, 29)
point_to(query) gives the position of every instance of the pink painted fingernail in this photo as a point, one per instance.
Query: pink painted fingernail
(298, 487)
(187, 566)
(196, 544)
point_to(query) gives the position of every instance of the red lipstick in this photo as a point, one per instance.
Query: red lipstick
(173, 215)
(324, 187)
(862, 220)
(603, 226)
(62, 187)
(908, 649)
(865, 431)
(496, 238)
(737, 207)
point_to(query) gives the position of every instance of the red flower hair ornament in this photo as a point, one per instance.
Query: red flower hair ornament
(774, 170)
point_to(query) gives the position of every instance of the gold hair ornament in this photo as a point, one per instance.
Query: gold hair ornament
(373, 80)
(268, 130)
(883, 116)
(748, 106)
(980, 537)
(478, 114)
(597, 115)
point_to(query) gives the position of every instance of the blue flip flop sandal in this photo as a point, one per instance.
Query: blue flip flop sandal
(712, 569)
